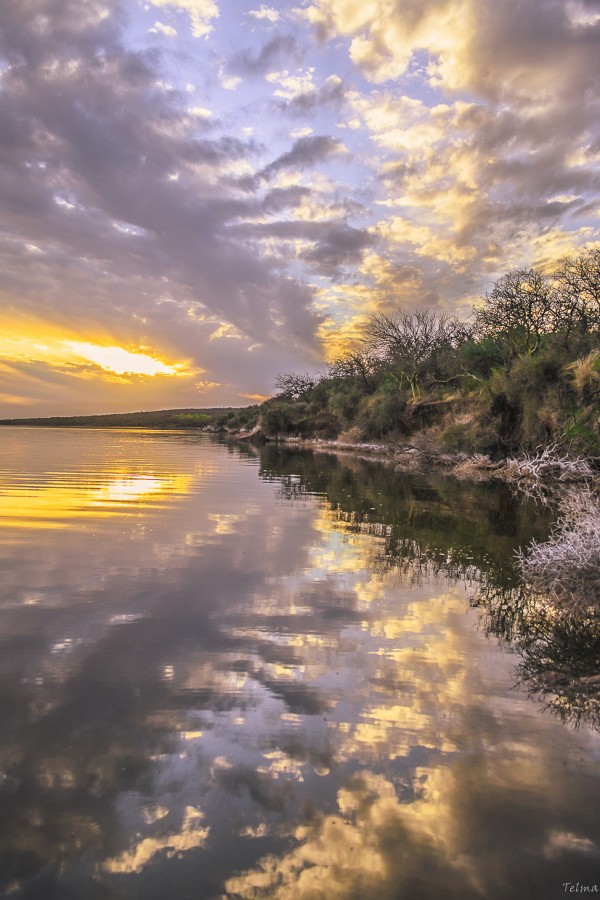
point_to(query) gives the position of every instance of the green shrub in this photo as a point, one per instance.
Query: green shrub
(581, 437)
(454, 438)
(194, 419)
(482, 357)
(383, 413)
(344, 401)
(325, 426)
(278, 419)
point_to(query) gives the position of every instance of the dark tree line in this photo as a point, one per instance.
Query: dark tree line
(521, 309)
(530, 350)
(525, 305)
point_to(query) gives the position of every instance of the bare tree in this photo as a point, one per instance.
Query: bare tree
(523, 306)
(578, 283)
(412, 342)
(295, 385)
(357, 364)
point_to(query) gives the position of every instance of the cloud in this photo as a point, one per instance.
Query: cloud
(279, 199)
(280, 50)
(165, 30)
(292, 84)
(517, 87)
(124, 197)
(200, 12)
(510, 50)
(134, 218)
(304, 131)
(340, 245)
(307, 99)
(305, 153)
(265, 13)
(466, 179)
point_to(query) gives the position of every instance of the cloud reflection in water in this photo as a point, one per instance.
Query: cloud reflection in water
(258, 696)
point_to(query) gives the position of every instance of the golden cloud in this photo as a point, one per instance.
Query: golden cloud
(191, 836)
(201, 12)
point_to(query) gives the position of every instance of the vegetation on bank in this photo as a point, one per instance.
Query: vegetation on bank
(519, 381)
(161, 418)
(522, 371)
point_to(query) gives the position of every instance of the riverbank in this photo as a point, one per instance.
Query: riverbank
(551, 465)
(559, 577)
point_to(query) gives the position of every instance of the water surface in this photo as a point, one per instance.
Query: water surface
(226, 673)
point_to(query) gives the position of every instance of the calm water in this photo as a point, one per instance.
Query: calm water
(229, 674)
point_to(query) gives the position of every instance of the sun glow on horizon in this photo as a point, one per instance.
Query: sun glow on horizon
(37, 342)
(121, 362)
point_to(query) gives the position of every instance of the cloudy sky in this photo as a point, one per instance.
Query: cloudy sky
(199, 194)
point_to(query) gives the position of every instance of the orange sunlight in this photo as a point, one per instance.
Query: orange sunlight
(42, 342)
(120, 361)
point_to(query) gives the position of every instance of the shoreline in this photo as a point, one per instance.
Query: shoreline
(540, 469)
(403, 459)
(549, 467)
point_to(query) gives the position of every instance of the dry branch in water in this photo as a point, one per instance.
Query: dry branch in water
(549, 463)
(566, 568)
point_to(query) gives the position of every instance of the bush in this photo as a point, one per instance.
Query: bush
(383, 413)
(325, 426)
(278, 419)
(473, 438)
(454, 438)
(196, 420)
(581, 437)
(344, 401)
(480, 358)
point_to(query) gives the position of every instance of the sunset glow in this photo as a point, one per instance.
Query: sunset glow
(120, 361)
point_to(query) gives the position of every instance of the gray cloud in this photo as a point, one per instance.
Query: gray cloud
(339, 246)
(282, 198)
(331, 94)
(280, 50)
(306, 152)
(527, 49)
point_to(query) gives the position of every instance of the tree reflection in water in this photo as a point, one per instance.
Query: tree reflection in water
(559, 649)
(427, 538)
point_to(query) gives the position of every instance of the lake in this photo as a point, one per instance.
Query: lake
(229, 672)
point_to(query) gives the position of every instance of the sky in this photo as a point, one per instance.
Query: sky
(197, 195)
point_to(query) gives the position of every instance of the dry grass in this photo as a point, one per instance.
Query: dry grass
(584, 371)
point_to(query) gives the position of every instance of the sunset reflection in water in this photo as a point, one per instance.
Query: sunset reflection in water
(219, 680)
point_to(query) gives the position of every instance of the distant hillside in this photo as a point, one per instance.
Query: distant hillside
(161, 418)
